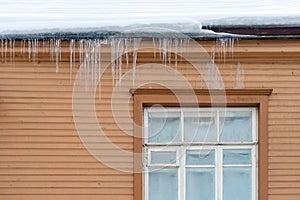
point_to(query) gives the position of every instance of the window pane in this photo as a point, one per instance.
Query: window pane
(200, 157)
(200, 127)
(237, 156)
(164, 127)
(163, 157)
(200, 183)
(163, 184)
(237, 183)
(236, 126)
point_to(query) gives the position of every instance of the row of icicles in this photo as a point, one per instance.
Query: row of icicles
(90, 55)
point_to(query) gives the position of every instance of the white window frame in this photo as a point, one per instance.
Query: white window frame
(182, 147)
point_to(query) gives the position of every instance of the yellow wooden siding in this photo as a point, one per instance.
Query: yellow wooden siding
(42, 157)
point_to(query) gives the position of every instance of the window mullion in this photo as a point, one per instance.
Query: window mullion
(219, 169)
(182, 173)
(182, 125)
(182, 170)
(218, 127)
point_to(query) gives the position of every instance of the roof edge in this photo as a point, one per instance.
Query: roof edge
(259, 30)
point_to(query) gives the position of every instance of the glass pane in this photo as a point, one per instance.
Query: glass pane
(236, 126)
(163, 157)
(237, 183)
(163, 184)
(164, 127)
(200, 127)
(237, 156)
(200, 157)
(200, 183)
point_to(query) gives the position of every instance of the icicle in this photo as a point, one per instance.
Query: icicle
(85, 58)
(136, 44)
(87, 61)
(85, 64)
(99, 68)
(117, 60)
(225, 44)
(90, 62)
(29, 50)
(92, 52)
(24, 49)
(44, 46)
(99, 58)
(213, 52)
(181, 50)
(71, 58)
(223, 48)
(112, 52)
(80, 57)
(95, 62)
(74, 52)
(169, 50)
(2, 49)
(57, 54)
(51, 50)
(34, 49)
(154, 48)
(47, 42)
(37, 50)
(5, 50)
(126, 52)
(21, 47)
(176, 51)
(164, 59)
(10, 50)
(231, 42)
(14, 53)
(239, 77)
(120, 54)
(96, 46)
(160, 47)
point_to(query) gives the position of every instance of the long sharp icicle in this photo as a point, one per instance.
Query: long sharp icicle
(136, 44)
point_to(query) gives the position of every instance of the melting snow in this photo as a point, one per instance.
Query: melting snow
(22, 16)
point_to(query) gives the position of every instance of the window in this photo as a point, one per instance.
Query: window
(200, 154)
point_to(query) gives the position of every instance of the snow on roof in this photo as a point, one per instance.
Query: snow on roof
(35, 16)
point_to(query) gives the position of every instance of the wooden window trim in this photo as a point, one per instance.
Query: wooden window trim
(234, 97)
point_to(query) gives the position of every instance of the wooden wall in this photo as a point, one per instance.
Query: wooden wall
(42, 156)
